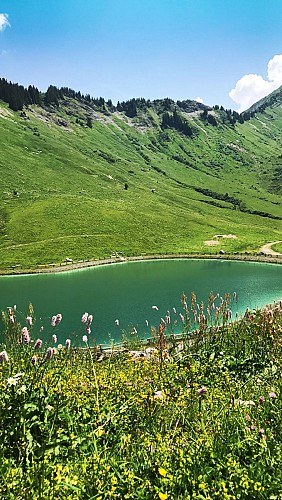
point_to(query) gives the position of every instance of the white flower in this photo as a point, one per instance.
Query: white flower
(12, 381)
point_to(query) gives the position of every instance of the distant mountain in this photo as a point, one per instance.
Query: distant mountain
(271, 100)
(82, 178)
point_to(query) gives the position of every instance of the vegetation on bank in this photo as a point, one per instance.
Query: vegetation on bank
(198, 418)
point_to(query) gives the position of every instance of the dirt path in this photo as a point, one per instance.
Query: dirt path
(268, 250)
(274, 258)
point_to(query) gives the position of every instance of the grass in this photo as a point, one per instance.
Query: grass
(63, 190)
(198, 419)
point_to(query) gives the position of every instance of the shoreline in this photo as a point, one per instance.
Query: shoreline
(72, 266)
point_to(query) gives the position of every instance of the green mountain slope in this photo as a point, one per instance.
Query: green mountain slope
(130, 185)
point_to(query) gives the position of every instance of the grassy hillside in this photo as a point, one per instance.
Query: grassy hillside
(128, 185)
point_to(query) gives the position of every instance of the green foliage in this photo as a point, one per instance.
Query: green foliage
(199, 417)
(177, 122)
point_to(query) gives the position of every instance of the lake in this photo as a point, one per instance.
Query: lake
(127, 291)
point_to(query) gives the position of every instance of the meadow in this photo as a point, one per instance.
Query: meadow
(126, 185)
(198, 417)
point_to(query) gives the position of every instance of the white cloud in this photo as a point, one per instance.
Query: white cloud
(200, 100)
(4, 21)
(251, 88)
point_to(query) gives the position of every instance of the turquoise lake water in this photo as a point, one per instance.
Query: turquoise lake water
(127, 291)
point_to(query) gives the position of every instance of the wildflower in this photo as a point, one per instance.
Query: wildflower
(244, 403)
(15, 307)
(59, 318)
(272, 395)
(248, 417)
(38, 344)
(56, 320)
(162, 471)
(261, 399)
(29, 320)
(54, 339)
(158, 395)
(68, 343)
(90, 319)
(12, 319)
(167, 318)
(201, 391)
(12, 381)
(85, 338)
(3, 356)
(60, 346)
(26, 337)
(49, 353)
(88, 330)
(163, 496)
(84, 317)
(117, 322)
(33, 360)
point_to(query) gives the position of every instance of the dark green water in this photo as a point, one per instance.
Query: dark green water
(127, 292)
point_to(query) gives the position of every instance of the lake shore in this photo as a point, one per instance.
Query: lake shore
(73, 265)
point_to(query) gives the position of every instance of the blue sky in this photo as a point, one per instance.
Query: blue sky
(119, 49)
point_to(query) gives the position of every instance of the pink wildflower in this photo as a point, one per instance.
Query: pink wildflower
(54, 339)
(4, 357)
(33, 360)
(25, 334)
(56, 320)
(90, 319)
(49, 353)
(272, 395)
(85, 338)
(68, 343)
(261, 399)
(158, 395)
(84, 317)
(201, 391)
(38, 344)
(88, 330)
(59, 318)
